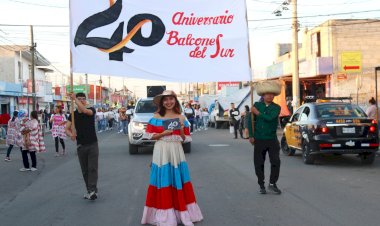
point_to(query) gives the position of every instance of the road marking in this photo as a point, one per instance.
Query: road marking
(218, 145)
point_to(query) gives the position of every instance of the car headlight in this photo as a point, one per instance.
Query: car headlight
(138, 125)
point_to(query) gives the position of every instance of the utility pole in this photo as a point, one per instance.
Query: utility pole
(295, 63)
(101, 94)
(32, 50)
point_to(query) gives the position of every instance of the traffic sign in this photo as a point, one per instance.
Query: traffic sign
(351, 62)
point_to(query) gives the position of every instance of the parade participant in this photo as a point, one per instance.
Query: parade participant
(12, 134)
(32, 141)
(170, 199)
(87, 143)
(58, 131)
(371, 110)
(190, 115)
(235, 119)
(124, 120)
(264, 134)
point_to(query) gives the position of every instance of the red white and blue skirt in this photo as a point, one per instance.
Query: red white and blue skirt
(170, 199)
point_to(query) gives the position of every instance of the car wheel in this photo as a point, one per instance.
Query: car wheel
(216, 125)
(133, 149)
(307, 157)
(368, 158)
(285, 148)
(187, 147)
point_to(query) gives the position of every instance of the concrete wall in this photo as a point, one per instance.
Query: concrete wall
(7, 72)
(362, 36)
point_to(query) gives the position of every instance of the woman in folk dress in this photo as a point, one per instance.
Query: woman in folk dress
(32, 141)
(170, 200)
(12, 134)
(58, 129)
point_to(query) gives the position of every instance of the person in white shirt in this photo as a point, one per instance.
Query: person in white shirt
(205, 117)
(110, 119)
(371, 110)
(198, 118)
(99, 120)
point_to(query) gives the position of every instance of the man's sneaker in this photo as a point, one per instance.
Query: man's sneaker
(91, 196)
(274, 188)
(24, 169)
(33, 169)
(7, 159)
(262, 190)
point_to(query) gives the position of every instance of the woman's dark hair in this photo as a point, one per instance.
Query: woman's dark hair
(372, 101)
(80, 95)
(15, 114)
(162, 111)
(59, 109)
(246, 108)
(34, 115)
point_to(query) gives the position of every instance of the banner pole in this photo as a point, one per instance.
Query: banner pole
(72, 91)
(250, 75)
(71, 79)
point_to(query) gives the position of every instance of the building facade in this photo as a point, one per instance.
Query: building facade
(16, 79)
(336, 59)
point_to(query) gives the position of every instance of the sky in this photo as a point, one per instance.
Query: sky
(265, 28)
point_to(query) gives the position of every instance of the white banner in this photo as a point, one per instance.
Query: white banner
(171, 40)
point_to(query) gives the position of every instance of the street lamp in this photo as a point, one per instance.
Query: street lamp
(377, 106)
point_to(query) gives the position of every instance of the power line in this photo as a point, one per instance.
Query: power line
(312, 16)
(37, 4)
(28, 25)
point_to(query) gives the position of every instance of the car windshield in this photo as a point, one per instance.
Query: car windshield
(339, 110)
(146, 106)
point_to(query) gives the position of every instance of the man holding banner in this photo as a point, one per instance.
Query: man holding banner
(87, 143)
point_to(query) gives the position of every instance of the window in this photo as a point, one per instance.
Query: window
(30, 71)
(296, 116)
(19, 64)
(339, 110)
(146, 107)
(316, 44)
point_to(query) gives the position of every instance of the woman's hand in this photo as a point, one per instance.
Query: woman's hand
(73, 136)
(167, 132)
(252, 140)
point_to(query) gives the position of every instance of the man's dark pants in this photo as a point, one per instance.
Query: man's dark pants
(260, 150)
(235, 124)
(88, 158)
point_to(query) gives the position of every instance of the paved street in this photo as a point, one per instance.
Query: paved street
(334, 191)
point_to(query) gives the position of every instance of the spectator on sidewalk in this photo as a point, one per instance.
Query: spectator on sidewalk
(205, 117)
(371, 110)
(99, 120)
(235, 119)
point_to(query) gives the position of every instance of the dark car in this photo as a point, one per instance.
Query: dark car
(331, 127)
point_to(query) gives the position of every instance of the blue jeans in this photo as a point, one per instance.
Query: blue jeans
(100, 127)
(104, 124)
(124, 126)
(205, 121)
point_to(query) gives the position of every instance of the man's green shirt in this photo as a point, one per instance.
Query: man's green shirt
(266, 122)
